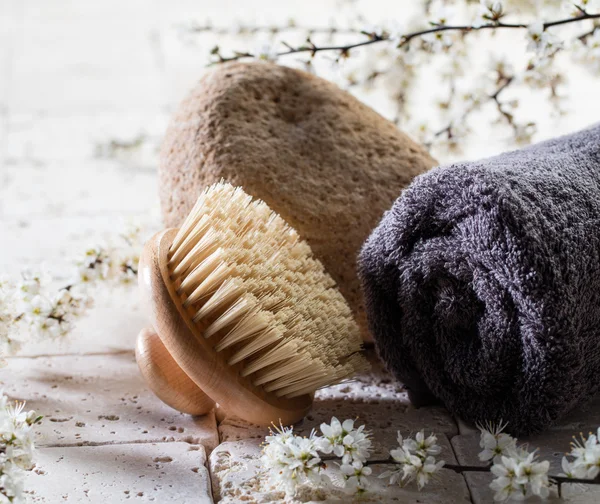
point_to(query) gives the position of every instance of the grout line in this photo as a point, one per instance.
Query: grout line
(464, 475)
(208, 454)
(211, 478)
(85, 444)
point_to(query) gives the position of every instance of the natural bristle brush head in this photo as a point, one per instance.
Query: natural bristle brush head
(245, 312)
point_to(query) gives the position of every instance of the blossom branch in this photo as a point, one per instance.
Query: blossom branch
(459, 469)
(406, 52)
(273, 29)
(309, 47)
(375, 38)
(292, 460)
(16, 448)
(559, 481)
(587, 34)
(29, 308)
(449, 130)
(499, 105)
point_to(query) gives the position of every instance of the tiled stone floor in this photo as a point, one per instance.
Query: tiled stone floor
(86, 89)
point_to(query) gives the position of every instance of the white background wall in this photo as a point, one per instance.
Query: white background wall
(77, 75)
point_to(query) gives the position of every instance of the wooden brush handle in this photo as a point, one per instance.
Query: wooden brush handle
(195, 356)
(166, 379)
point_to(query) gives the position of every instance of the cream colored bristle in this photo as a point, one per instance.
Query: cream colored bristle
(285, 350)
(242, 306)
(254, 322)
(257, 293)
(261, 341)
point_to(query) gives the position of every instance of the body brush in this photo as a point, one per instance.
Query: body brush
(244, 315)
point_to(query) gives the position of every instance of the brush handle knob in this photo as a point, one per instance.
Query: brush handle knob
(166, 379)
(180, 350)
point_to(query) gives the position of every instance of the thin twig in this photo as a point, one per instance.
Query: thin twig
(506, 82)
(253, 29)
(565, 479)
(588, 33)
(499, 105)
(388, 460)
(466, 468)
(459, 469)
(405, 39)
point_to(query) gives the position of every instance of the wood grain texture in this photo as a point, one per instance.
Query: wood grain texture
(195, 355)
(166, 379)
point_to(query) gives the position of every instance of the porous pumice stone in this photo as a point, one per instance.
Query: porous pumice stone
(327, 163)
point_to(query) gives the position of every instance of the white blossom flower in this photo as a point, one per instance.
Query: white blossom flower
(333, 434)
(490, 11)
(402, 458)
(586, 458)
(423, 446)
(6, 322)
(100, 263)
(541, 41)
(575, 7)
(47, 328)
(568, 469)
(494, 6)
(16, 448)
(420, 470)
(12, 299)
(127, 269)
(11, 483)
(356, 476)
(587, 52)
(415, 459)
(265, 50)
(442, 14)
(37, 308)
(291, 460)
(345, 441)
(28, 307)
(594, 41)
(281, 435)
(93, 266)
(67, 305)
(523, 133)
(539, 72)
(504, 484)
(401, 454)
(29, 287)
(396, 30)
(9, 346)
(495, 442)
(393, 475)
(518, 475)
(430, 467)
(439, 40)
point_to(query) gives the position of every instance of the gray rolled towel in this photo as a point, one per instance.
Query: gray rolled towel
(482, 284)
